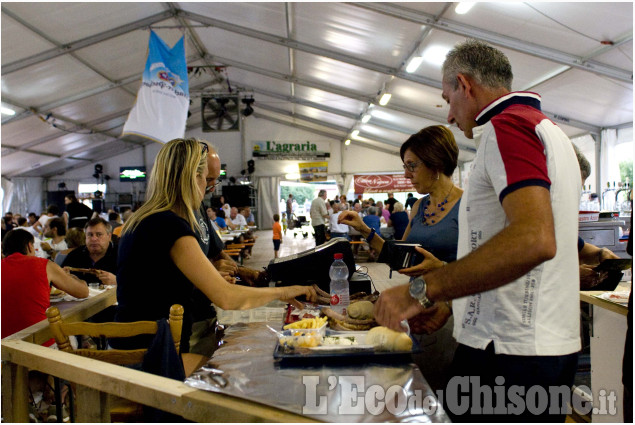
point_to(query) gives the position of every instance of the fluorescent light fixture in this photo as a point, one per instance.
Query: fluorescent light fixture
(415, 62)
(292, 176)
(347, 142)
(6, 111)
(366, 118)
(355, 133)
(435, 55)
(463, 7)
(385, 98)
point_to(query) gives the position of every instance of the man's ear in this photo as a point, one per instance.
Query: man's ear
(465, 85)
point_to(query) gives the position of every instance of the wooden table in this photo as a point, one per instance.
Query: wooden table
(608, 333)
(95, 379)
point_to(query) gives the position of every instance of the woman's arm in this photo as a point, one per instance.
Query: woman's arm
(355, 221)
(188, 257)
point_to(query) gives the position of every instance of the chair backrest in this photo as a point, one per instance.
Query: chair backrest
(61, 331)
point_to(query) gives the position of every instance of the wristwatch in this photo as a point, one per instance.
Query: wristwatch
(417, 291)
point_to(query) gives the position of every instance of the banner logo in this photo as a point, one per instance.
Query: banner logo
(160, 112)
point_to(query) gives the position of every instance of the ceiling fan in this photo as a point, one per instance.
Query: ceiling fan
(220, 113)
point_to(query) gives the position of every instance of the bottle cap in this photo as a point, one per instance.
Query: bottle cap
(338, 256)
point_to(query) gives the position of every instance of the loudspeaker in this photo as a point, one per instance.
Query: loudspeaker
(237, 196)
(57, 198)
(98, 205)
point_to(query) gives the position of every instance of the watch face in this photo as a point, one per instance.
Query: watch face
(416, 288)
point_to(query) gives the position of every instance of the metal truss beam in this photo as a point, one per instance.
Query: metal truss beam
(579, 62)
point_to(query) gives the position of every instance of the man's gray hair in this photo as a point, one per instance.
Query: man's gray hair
(487, 65)
(321, 193)
(585, 166)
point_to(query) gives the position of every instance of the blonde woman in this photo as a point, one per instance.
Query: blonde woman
(160, 260)
(399, 220)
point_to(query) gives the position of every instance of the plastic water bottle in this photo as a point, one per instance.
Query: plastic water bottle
(340, 296)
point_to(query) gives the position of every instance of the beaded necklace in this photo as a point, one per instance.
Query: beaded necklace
(432, 215)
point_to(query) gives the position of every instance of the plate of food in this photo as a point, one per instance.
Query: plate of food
(378, 344)
(56, 295)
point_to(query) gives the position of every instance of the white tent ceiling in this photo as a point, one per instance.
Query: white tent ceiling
(72, 70)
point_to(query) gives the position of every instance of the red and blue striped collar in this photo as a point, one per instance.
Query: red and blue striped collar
(504, 102)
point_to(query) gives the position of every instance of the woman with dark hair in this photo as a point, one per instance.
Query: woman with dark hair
(429, 159)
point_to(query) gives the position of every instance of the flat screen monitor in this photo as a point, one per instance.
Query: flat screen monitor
(132, 174)
(223, 172)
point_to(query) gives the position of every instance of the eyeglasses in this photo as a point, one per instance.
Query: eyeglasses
(209, 188)
(205, 148)
(412, 166)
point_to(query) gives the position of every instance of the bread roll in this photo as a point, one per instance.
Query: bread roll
(360, 310)
(388, 340)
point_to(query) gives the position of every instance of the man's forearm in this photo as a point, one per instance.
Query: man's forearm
(507, 256)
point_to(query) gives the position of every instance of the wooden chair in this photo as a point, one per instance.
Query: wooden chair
(61, 332)
(120, 409)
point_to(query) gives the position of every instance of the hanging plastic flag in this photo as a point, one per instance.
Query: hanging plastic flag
(160, 111)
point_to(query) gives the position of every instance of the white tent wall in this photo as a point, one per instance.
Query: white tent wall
(23, 195)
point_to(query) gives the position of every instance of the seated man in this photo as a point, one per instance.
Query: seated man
(220, 220)
(372, 220)
(55, 234)
(237, 219)
(98, 253)
(25, 283)
(249, 217)
(23, 223)
(51, 212)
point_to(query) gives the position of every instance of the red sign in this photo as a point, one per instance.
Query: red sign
(382, 183)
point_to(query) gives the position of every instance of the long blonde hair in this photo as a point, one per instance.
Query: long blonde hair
(172, 185)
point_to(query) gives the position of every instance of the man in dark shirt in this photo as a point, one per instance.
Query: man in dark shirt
(76, 214)
(410, 201)
(390, 202)
(98, 254)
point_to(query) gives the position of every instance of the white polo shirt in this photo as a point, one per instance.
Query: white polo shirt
(539, 313)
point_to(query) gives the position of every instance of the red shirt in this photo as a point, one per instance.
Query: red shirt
(25, 292)
(277, 231)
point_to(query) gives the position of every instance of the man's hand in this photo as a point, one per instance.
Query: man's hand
(106, 277)
(46, 247)
(253, 277)
(394, 305)
(429, 263)
(226, 266)
(590, 278)
(607, 254)
(430, 320)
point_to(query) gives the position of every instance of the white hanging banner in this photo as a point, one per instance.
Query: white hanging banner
(160, 111)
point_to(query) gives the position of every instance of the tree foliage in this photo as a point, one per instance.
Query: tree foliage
(626, 170)
(300, 193)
